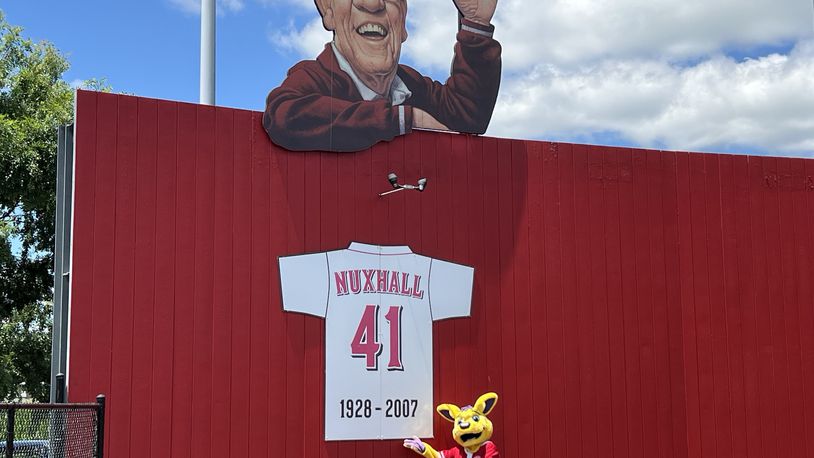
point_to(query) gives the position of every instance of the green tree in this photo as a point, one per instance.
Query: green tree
(25, 350)
(34, 101)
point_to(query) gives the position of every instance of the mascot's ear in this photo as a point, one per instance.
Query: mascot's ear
(486, 403)
(448, 411)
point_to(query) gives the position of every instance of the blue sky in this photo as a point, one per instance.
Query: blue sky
(151, 47)
(727, 76)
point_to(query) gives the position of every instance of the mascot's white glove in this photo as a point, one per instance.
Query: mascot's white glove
(421, 448)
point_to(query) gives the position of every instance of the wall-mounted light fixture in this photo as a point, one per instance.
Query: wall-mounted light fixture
(394, 181)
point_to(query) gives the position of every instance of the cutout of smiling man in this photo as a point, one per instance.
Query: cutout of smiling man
(356, 93)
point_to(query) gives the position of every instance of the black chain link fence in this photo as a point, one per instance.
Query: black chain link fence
(52, 430)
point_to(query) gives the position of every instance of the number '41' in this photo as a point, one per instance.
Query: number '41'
(365, 342)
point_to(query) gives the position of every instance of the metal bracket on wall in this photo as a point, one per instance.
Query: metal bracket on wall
(394, 182)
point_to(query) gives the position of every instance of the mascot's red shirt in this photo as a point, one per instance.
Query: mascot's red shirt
(487, 450)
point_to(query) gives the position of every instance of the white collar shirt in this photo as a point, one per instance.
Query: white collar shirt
(398, 90)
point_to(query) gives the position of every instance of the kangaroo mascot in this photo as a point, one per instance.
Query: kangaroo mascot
(472, 431)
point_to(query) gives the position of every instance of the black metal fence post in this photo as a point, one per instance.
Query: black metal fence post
(59, 419)
(60, 388)
(10, 434)
(100, 427)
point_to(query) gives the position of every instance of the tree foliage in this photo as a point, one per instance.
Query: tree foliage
(34, 102)
(25, 350)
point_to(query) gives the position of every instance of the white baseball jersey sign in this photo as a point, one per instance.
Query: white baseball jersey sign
(379, 303)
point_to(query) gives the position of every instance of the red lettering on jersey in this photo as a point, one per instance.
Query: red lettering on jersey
(377, 281)
(381, 280)
(394, 283)
(341, 280)
(355, 281)
(418, 293)
(405, 290)
(369, 280)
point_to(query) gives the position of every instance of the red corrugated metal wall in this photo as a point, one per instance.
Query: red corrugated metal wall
(627, 303)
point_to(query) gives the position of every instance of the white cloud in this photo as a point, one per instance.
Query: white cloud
(573, 32)
(431, 27)
(304, 4)
(231, 5)
(306, 42)
(719, 103)
(654, 72)
(194, 6)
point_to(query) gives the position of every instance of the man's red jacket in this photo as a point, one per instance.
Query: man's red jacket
(318, 107)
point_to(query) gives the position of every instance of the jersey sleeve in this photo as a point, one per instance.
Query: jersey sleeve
(304, 283)
(450, 289)
(491, 450)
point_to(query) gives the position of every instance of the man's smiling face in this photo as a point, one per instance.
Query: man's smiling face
(368, 33)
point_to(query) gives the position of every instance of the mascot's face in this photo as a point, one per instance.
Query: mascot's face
(472, 428)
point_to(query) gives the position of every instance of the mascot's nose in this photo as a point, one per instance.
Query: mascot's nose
(464, 424)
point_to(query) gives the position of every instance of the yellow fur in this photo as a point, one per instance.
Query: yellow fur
(430, 452)
(472, 428)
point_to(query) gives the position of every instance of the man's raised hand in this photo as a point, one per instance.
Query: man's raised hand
(480, 11)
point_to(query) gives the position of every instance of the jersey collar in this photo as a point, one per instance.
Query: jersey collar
(377, 249)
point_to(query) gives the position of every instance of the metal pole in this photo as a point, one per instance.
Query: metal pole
(10, 433)
(56, 336)
(60, 389)
(62, 255)
(59, 419)
(100, 426)
(207, 96)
